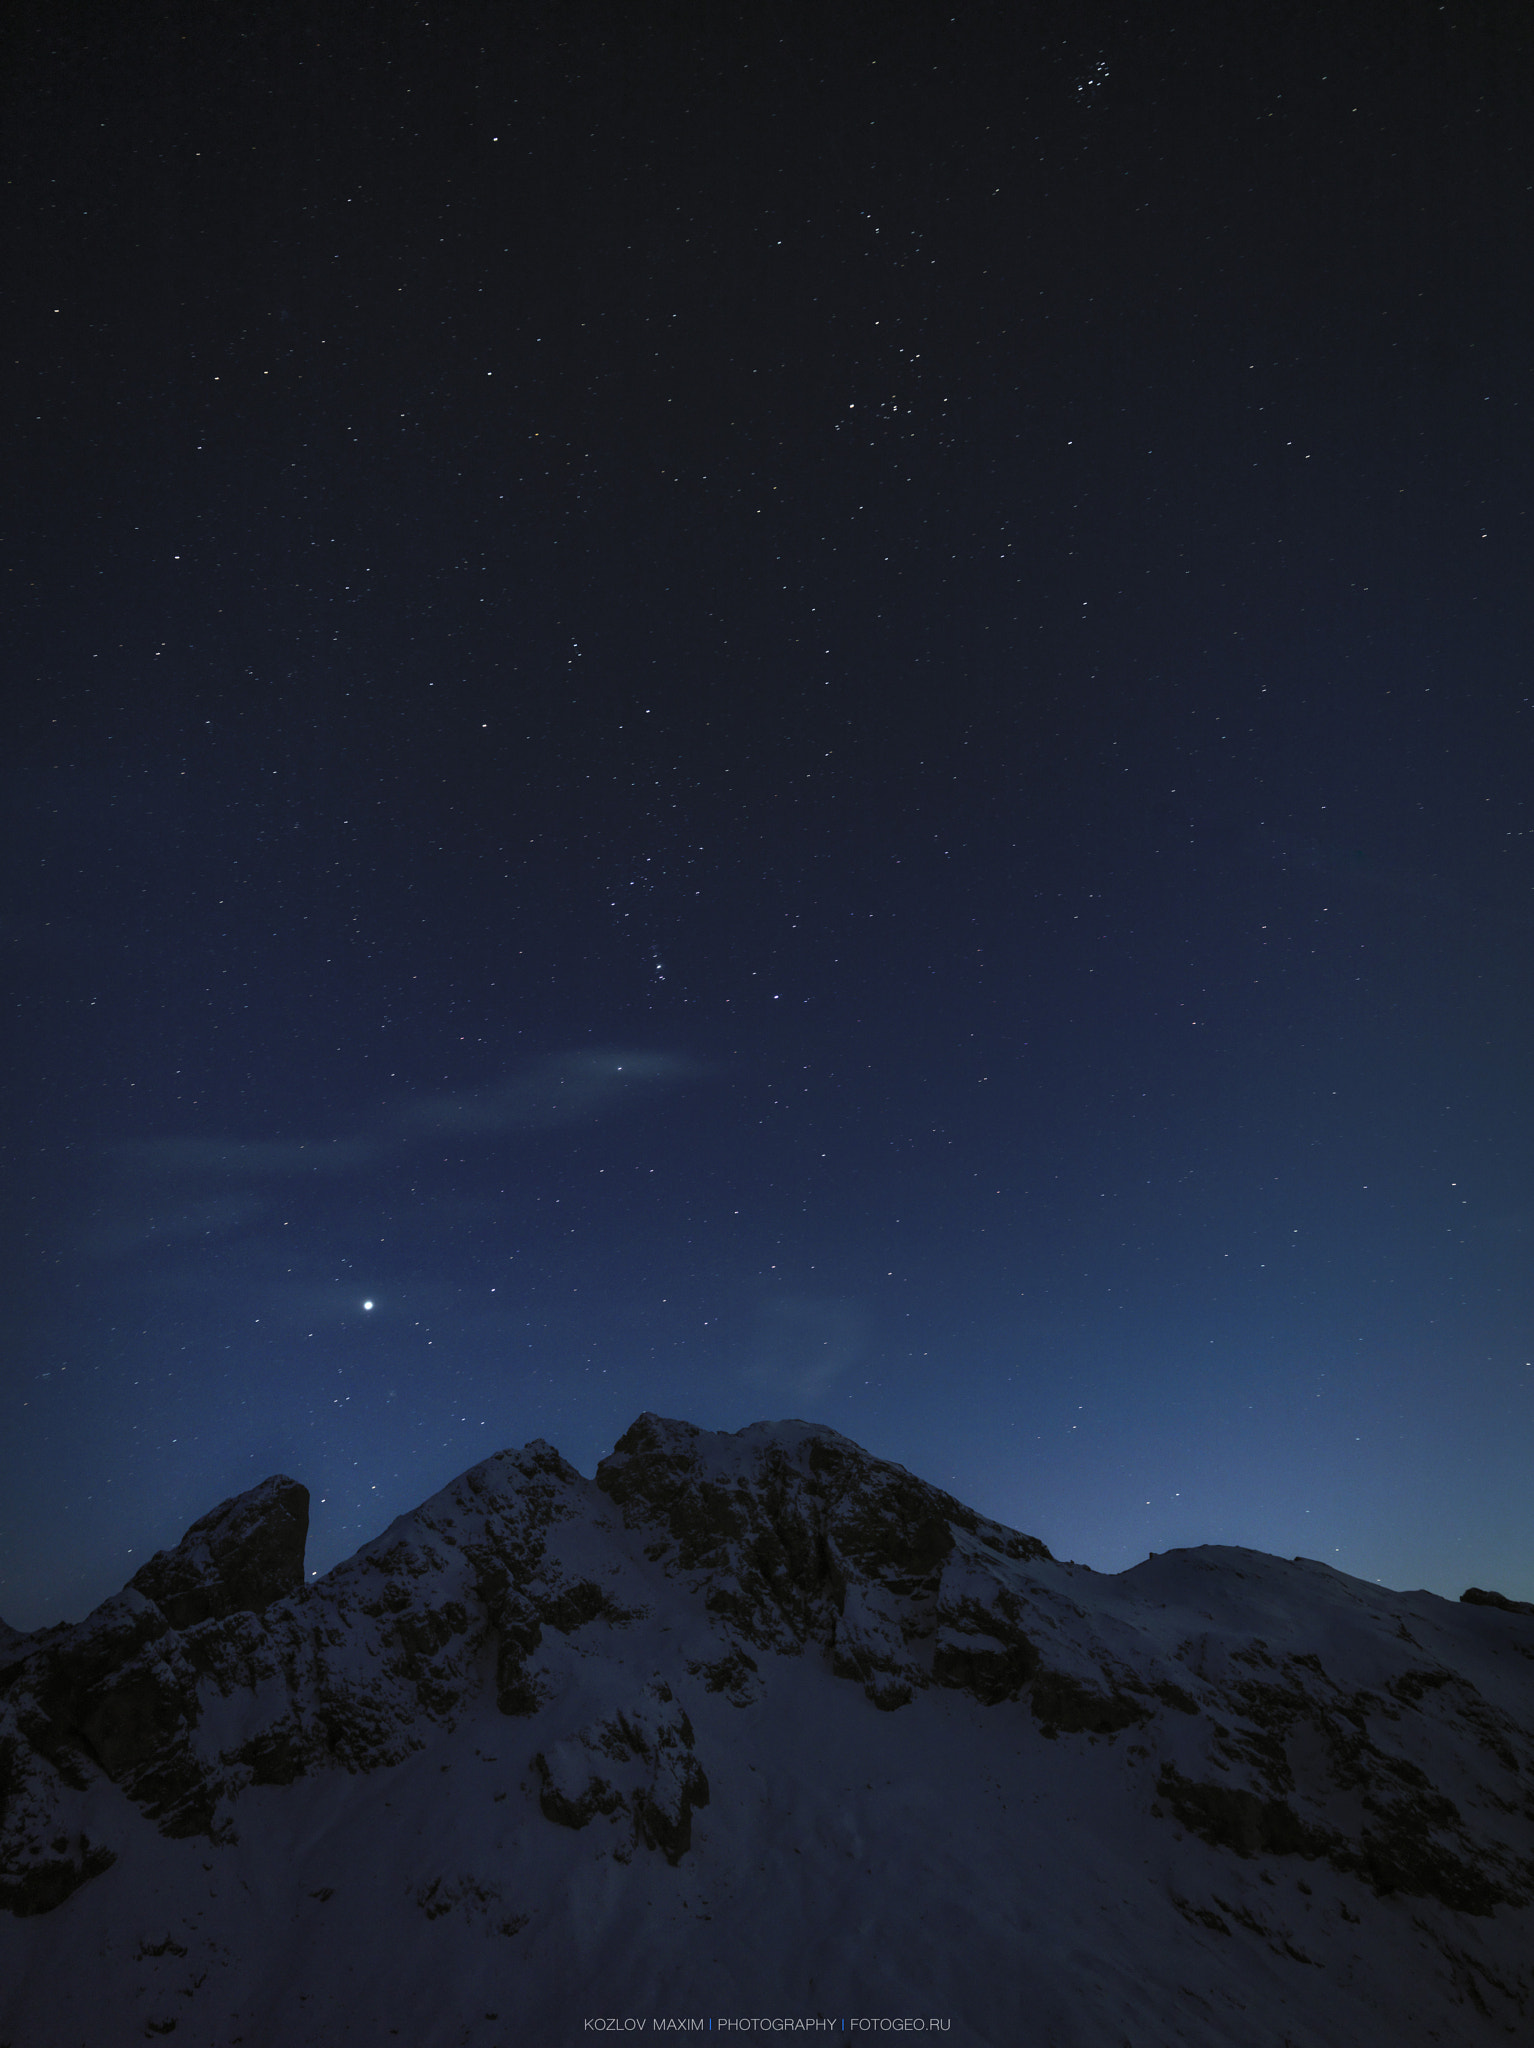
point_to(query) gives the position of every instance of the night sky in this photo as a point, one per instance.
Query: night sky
(767, 710)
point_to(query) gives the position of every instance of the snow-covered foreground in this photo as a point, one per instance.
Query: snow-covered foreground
(756, 1728)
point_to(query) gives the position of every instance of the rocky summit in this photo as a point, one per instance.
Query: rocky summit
(758, 1727)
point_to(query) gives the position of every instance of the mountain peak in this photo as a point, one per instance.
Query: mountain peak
(703, 1718)
(246, 1553)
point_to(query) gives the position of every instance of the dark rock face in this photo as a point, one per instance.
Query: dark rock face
(48, 1882)
(243, 1556)
(122, 1689)
(1404, 1847)
(1235, 1818)
(637, 1762)
(1311, 1750)
(1477, 1596)
(805, 1540)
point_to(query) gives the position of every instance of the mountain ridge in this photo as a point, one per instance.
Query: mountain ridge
(691, 1660)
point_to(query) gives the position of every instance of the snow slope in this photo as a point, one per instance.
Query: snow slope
(757, 1727)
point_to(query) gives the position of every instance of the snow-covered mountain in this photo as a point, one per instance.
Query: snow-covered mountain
(757, 1728)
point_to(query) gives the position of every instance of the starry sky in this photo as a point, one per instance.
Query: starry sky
(772, 710)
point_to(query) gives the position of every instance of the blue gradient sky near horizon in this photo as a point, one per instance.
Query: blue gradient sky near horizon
(773, 715)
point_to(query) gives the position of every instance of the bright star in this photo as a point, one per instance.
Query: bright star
(367, 1304)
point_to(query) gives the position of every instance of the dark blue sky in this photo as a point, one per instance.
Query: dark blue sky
(772, 711)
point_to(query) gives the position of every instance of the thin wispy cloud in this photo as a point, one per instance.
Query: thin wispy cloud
(136, 1225)
(182, 1188)
(191, 1159)
(568, 1087)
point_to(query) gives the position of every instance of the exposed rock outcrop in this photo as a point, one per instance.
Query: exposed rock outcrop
(797, 1537)
(1477, 1596)
(241, 1557)
(637, 1762)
